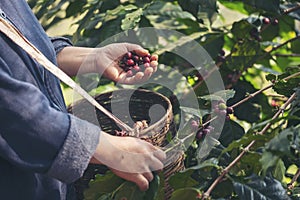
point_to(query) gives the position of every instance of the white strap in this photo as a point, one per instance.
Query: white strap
(17, 37)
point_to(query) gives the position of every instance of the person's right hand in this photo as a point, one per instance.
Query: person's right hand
(130, 158)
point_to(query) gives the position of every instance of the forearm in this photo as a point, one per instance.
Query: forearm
(73, 60)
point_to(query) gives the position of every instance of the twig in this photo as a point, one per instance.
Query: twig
(296, 176)
(250, 96)
(289, 10)
(283, 44)
(245, 150)
(287, 55)
(263, 89)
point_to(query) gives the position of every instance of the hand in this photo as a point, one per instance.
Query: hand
(130, 158)
(107, 63)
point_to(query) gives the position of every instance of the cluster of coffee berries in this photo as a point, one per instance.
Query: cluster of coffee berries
(133, 63)
(201, 131)
(221, 109)
(268, 20)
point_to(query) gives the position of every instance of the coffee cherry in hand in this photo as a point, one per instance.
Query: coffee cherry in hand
(133, 63)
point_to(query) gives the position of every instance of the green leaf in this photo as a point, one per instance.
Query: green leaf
(287, 139)
(169, 10)
(246, 54)
(231, 131)
(207, 11)
(260, 189)
(195, 112)
(151, 193)
(268, 160)
(220, 95)
(241, 29)
(130, 191)
(186, 193)
(102, 184)
(213, 43)
(131, 19)
(182, 180)
(271, 6)
(250, 110)
(279, 170)
(271, 77)
(191, 6)
(237, 6)
(244, 141)
(285, 145)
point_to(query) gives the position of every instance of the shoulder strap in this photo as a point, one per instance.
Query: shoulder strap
(18, 38)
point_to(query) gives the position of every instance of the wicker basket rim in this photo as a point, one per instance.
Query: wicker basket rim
(160, 121)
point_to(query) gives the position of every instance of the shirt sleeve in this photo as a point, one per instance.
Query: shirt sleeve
(60, 42)
(34, 136)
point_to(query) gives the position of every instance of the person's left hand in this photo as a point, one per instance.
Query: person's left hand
(107, 63)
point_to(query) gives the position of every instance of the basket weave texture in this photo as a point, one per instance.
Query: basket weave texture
(131, 106)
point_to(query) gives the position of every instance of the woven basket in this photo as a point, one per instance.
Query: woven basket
(131, 106)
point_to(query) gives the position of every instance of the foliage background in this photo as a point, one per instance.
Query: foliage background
(257, 54)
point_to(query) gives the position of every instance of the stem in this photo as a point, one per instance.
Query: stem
(281, 45)
(291, 76)
(263, 89)
(287, 55)
(289, 10)
(250, 96)
(296, 176)
(245, 150)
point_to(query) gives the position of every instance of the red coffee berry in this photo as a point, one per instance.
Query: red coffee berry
(199, 135)
(146, 60)
(206, 131)
(129, 55)
(136, 68)
(266, 20)
(130, 62)
(136, 58)
(229, 110)
(194, 124)
(275, 21)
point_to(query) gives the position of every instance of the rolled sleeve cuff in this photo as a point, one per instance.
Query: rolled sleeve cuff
(60, 42)
(76, 152)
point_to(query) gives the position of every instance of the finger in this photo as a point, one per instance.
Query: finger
(141, 52)
(161, 155)
(137, 78)
(149, 176)
(148, 72)
(154, 64)
(141, 181)
(154, 57)
(155, 164)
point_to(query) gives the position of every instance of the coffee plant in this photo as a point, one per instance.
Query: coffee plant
(257, 155)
